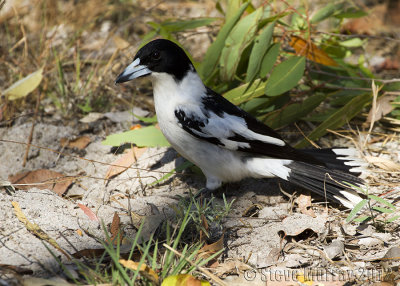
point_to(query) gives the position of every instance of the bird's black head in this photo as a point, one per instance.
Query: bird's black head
(158, 56)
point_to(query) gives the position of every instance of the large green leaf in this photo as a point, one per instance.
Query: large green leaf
(143, 137)
(238, 39)
(269, 59)
(339, 118)
(285, 76)
(327, 11)
(245, 92)
(213, 53)
(232, 8)
(352, 12)
(178, 26)
(293, 112)
(260, 48)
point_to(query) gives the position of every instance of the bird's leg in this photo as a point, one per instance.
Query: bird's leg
(212, 184)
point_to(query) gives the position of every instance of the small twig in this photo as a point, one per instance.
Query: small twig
(375, 92)
(313, 248)
(88, 160)
(358, 36)
(205, 271)
(355, 77)
(23, 32)
(32, 128)
(305, 136)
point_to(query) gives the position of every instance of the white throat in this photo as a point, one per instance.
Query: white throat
(169, 92)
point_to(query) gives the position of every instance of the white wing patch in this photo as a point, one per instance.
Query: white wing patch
(229, 125)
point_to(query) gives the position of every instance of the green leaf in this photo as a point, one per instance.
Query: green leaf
(146, 119)
(293, 112)
(143, 137)
(352, 43)
(392, 219)
(356, 209)
(339, 118)
(383, 210)
(269, 59)
(213, 53)
(23, 87)
(238, 39)
(351, 13)
(259, 106)
(232, 8)
(178, 26)
(326, 12)
(285, 76)
(245, 92)
(260, 48)
(382, 201)
(320, 117)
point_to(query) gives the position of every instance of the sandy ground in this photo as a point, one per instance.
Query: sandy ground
(278, 236)
(255, 240)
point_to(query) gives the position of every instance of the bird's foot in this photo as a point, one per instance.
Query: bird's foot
(203, 193)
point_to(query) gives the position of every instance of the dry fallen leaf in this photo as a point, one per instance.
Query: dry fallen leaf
(231, 267)
(89, 253)
(311, 51)
(136, 126)
(80, 142)
(92, 117)
(24, 86)
(16, 269)
(204, 228)
(144, 270)
(184, 280)
(296, 224)
(124, 162)
(210, 249)
(35, 229)
(383, 107)
(391, 258)
(89, 212)
(150, 224)
(114, 229)
(41, 179)
(383, 163)
(304, 203)
(79, 232)
(335, 249)
(304, 280)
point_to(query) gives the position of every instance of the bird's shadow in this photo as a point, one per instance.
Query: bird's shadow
(195, 180)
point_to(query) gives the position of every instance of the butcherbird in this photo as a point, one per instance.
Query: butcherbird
(227, 143)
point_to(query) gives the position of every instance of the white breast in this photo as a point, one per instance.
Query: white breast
(213, 160)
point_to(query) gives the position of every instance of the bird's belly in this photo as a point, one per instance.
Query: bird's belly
(213, 160)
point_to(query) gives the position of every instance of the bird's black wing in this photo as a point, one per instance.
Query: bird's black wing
(220, 122)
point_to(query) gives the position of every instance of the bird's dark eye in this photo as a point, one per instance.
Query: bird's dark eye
(155, 55)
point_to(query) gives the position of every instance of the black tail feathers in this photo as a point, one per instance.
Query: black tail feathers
(341, 167)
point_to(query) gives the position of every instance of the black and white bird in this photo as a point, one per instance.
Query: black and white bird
(224, 141)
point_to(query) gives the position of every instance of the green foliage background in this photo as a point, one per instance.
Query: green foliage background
(253, 62)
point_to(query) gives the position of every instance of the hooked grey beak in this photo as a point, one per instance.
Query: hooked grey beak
(134, 70)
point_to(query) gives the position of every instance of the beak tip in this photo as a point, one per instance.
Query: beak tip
(119, 79)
